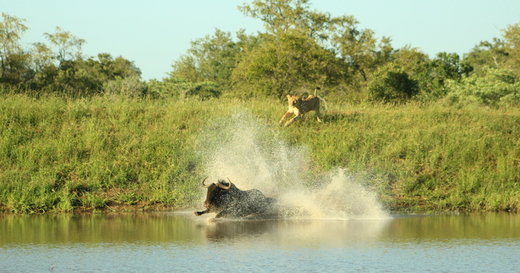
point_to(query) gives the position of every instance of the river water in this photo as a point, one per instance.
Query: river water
(181, 242)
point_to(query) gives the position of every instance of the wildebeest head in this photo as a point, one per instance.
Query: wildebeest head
(215, 197)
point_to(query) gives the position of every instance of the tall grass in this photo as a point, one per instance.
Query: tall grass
(429, 157)
(60, 155)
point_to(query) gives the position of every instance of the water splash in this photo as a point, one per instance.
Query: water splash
(340, 197)
(252, 155)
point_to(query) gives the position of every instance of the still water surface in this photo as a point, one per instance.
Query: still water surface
(180, 242)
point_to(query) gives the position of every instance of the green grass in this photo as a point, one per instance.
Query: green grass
(98, 153)
(429, 157)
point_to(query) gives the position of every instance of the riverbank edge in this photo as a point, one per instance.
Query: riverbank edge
(64, 155)
(395, 208)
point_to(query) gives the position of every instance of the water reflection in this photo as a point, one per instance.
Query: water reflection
(121, 228)
(445, 227)
(296, 233)
(183, 228)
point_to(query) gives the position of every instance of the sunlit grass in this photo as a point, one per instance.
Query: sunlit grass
(60, 155)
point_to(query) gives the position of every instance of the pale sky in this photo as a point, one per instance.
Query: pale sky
(155, 33)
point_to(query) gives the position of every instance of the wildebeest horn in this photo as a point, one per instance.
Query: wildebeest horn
(204, 185)
(224, 187)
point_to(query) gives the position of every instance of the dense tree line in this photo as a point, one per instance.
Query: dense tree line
(58, 66)
(299, 49)
(303, 48)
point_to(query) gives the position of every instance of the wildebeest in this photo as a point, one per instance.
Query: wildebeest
(225, 199)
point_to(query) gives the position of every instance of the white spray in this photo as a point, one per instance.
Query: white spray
(251, 155)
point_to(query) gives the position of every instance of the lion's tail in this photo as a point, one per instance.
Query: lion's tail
(320, 98)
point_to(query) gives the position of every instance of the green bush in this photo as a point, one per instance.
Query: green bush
(204, 91)
(391, 84)
(497, 87)
(167, 88)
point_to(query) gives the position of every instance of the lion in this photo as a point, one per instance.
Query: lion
(299, 105)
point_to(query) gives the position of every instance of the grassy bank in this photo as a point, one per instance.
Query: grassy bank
(61, 155)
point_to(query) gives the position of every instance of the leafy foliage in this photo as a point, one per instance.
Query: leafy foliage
(204, 91)
(13, 59)
(497, 87)
(284, 16)
(512, 45)
(81, 77)
(168, 88)
(212, 58)
(300, 49)
(284, 63)
(392, 84)
(68, 46)
(60, 67)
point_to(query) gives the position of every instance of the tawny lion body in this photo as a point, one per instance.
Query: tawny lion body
(298, 106)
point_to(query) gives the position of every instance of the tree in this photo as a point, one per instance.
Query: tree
(80, 77)
(186, 69)
(497, 87)
(411, 60)
(486, 55)
(283, 16)
(116, 68)
(13, 60)
(356, 46)
(512, 47)
(356, 51)
(448, 66)
(445, 66)
(385, 53)
(430, 74)
(211, 58)
(42, 56)
(283, 63)
(64, 70)
(500, 53)
(67, 45)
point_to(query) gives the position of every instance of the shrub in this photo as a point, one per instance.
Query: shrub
(204, 91)
(167, 88)
(391, 84)
(496, 87)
